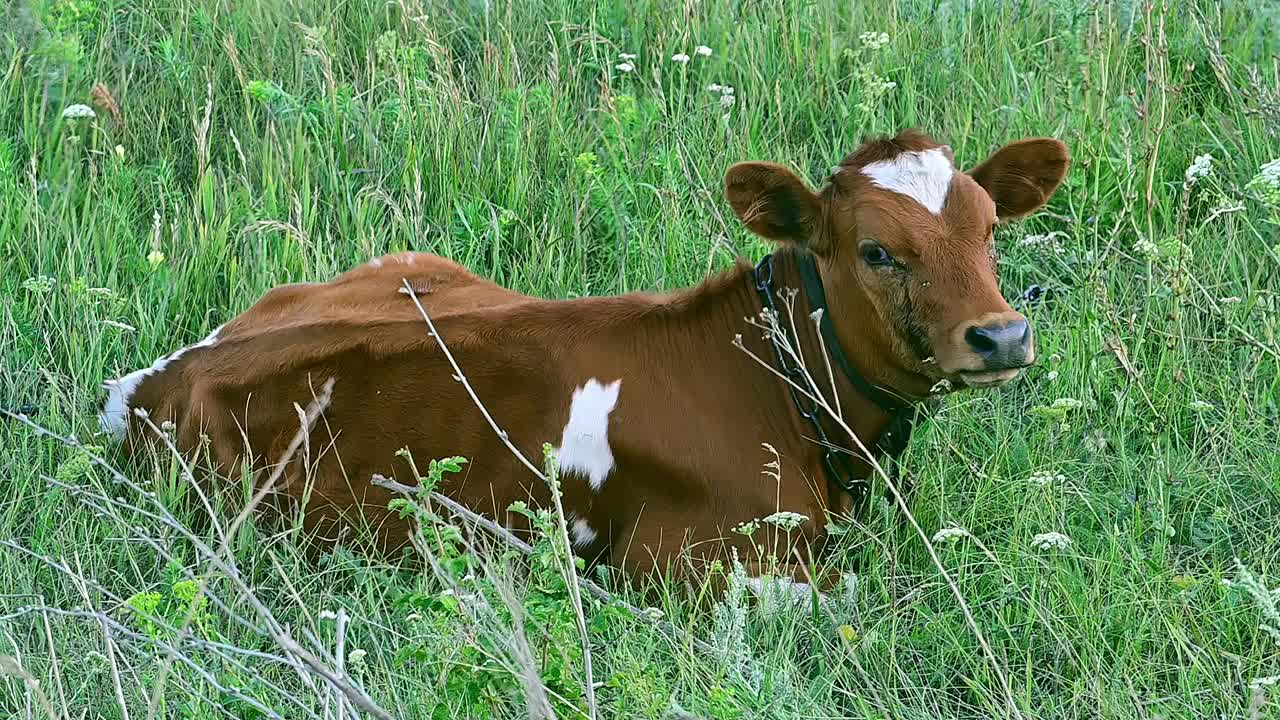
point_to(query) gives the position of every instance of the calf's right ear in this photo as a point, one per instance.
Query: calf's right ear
(775, 204)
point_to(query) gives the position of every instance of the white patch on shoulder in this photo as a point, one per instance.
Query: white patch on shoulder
(114, 417)
(584, 447)
(376, 262)
(922, 175)
(581, 533)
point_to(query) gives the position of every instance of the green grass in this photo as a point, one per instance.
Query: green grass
(502, 135)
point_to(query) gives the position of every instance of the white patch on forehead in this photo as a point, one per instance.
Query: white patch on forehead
(584, 447)
(922, 175)
(581, 533)
(114, 417)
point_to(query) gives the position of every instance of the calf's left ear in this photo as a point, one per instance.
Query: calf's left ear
(775, 204)
(1021, 176)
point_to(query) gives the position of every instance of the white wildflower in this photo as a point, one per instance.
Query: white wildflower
(1201, 167)
(702, 50)
(1051, 541)
(787, 520)
(120, 152)
(328, 615)
(1233, 300)
(726, 90)
(652, 613)
(1267, 183)
(356, 657)
(1200, 406)
(627, 56)
(727, 101)
(949, 534)
(39, 285)
(680, 58)
(413, 617)
(714, 88)
(625, 67)
(168, 426)
(1146, 247)
(1053, 375)
(155, 257)
(1049, 242)
(77, 112)
(1044, 477)
(1067, 403)
(874, 40)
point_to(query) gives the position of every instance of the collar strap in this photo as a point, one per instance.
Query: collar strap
(887, 402)
(903, 416)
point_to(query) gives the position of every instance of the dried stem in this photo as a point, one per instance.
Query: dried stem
(775, 329)
(571, 572)
(463, 513)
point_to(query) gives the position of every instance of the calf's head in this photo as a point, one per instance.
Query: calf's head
(904, 245)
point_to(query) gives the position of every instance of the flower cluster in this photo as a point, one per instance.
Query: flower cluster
(1049, 242)
(78, 112)
(1267, 183)
(873, 40)
(727, 98)
(1051, 541)
(787, 520)
(1045, 477)
(873, 86)
(39, 285)
(628, 63)
(683, 58)
(1201, 167)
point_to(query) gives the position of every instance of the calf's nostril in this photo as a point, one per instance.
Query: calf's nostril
(981, 340)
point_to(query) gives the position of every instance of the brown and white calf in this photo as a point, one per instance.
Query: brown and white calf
(659, 421)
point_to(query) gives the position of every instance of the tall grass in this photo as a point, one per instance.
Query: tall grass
(236, 146)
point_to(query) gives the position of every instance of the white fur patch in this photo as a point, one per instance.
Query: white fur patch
(584, 447)
(581, 533)
(376, 262)
(114, 418)
(922, 175)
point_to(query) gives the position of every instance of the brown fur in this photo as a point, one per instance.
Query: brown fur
(693, 412)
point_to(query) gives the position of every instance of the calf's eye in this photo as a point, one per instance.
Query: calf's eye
(874, 254)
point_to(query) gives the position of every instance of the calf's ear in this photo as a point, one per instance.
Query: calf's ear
(775, 204)
(1021, 176)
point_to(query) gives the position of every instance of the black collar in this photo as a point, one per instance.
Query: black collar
(903, 414)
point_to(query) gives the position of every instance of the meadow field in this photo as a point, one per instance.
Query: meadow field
(1111, 519)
